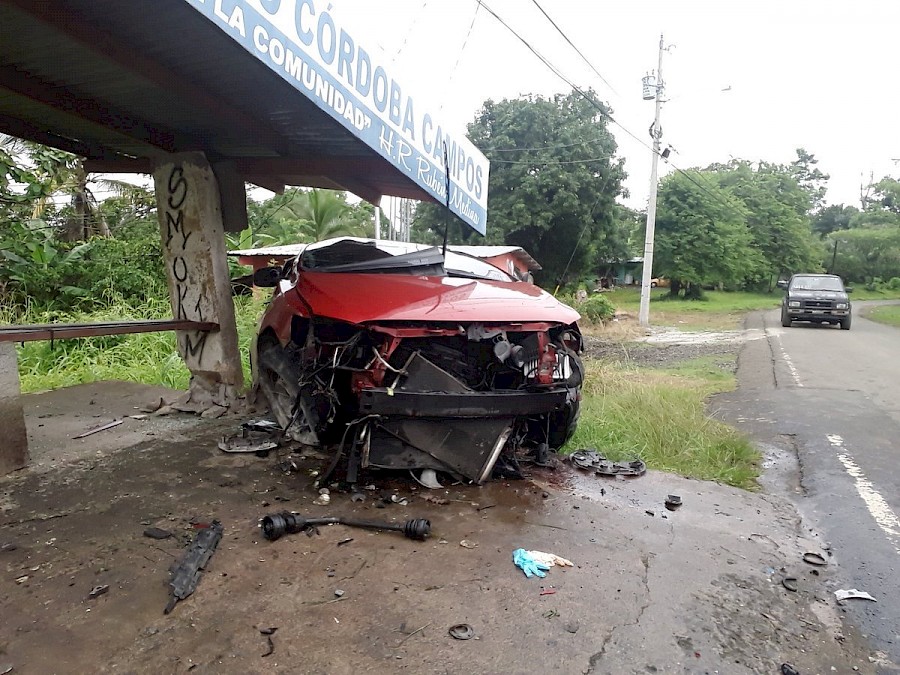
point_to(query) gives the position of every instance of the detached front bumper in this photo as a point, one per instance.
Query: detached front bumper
(438, 404)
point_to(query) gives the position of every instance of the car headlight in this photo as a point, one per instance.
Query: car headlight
(794, 303)
(841, 305)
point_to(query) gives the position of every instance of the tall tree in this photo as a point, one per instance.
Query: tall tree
(702, 237)
(833, 217)
(810, 178)
(39, 176)
(776, 216)
(887, 194)
(553, 184)
(300, 215)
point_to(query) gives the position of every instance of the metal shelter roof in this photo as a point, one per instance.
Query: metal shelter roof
(122, 82)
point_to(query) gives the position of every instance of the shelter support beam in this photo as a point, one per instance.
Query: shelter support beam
(193, 243)
(14, 448)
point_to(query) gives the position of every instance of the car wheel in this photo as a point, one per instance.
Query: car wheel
(563, 424)
(277, 383)
(785, 318)
(845, 323)
(653, 284)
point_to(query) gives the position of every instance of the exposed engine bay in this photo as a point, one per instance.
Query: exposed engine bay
(466, 400)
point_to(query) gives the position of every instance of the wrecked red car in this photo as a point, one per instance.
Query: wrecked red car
(399, 356)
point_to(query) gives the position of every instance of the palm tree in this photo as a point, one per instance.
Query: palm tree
(63, 174)
(323, 214)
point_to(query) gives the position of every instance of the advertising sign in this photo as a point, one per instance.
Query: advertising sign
(306, 44)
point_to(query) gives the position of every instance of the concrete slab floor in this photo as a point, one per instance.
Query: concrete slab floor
(697, 590)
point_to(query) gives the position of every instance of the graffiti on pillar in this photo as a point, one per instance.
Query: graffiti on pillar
(185, 256)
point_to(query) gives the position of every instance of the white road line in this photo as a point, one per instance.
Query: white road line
(879, 508)
(791, 367)
(795, 374)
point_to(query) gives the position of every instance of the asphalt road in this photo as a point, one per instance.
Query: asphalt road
(826, 404)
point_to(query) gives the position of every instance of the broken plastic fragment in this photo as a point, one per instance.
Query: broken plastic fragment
(97, 591)
(851, 594)
(461, 631)
(814, 558)
(427, 478)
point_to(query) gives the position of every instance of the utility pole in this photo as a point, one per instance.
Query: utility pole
(378, 221)
(656, 133)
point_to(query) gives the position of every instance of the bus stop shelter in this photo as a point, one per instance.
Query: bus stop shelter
(206, 96)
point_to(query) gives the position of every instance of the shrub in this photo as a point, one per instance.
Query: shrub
(894, 284)
(597, 308)
(874, 284)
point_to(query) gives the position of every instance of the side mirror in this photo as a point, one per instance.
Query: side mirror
(782, 283)
(848, 289)
(267, 277)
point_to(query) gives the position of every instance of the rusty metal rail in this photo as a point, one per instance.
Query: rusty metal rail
(64, 331)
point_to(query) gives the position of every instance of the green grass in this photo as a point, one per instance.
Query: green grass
(715, 302)
(889, 314)
(654, 414)
(718, 309)
(151, 358)
(659, 416)
(860, 292)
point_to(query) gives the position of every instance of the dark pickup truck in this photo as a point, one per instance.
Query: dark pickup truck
(820, 298)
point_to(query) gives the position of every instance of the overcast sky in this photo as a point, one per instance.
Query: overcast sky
(813, 74)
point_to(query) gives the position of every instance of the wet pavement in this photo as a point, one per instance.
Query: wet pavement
(694, 590)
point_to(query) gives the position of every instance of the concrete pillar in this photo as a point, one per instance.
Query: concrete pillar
(14, 446)
(193, 243)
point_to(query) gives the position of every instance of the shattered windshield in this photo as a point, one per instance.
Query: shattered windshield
(387, 257)
(813, 283)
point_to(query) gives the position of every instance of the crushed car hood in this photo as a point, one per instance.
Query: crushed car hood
(364, 298)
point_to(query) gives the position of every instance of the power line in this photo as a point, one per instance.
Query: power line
(592, 101)
(410, 30)
(583, 57)
(463, 47)
(546, 147)
(552, 162)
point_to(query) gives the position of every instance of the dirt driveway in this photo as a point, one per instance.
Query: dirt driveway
(697, 590)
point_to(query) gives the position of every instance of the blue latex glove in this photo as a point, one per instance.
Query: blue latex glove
(529, 565)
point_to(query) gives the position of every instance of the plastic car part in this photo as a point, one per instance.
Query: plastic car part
(461, 631)
(673, 502)
(591, 460)
(275, 525)
(852, 593)
(814, 558)
(427, 478)
(186, 574)
(587, 459)
(633, 468)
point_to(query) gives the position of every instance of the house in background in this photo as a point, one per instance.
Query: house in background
(621, 272)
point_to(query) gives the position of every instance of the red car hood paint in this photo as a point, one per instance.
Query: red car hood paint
(363, 298)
